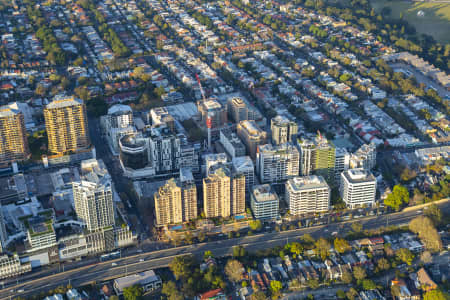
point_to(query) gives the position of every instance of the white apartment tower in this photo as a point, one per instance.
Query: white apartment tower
(358, 188)
(307, 194)
(93, 196)
(277, 163)
(283, 130)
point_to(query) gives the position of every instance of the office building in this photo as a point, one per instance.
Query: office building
(238, 109)
(232, 143)
(93, 195)
(116, 124)
(244, 165)
(317, 157)
(365, 157)
(251, 135)
(40, 231)
(13, 136)
(277, 163)
(10, 266)
(223, 193)
(213, 110)
(283, 130)
(307, 194)
(176, 201)
(264, 202)
(341, 163)
(66, 124)
(358, 188)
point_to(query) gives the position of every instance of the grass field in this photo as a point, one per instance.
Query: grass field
(435, 22)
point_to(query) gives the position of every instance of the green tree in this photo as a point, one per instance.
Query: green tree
(383, 264)
(207, 254)
(424, 228)
(359, 273)
(357, 226)
(313, 283)
(405, 255)
(347, 277)
(340, 294)
(341, 245)
(181, 266)
(296, 248)
(234, 269)
(322, 248)
(133, 292)
(434, 213)
(258, 296)
(436, 295)
(275, 286)
(397, 198)
(368, 284)
(352, 293)
(171, 291)
(255, 225)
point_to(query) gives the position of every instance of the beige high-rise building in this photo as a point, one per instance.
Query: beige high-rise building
(223, 193)
(66, 124)
(176, 201)
(13, 137)
(283, 130)
(251, 135)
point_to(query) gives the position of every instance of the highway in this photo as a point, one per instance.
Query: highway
(99, 272)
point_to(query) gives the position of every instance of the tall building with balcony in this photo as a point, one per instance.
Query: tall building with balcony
(213, 159)
(318, 157)
(176, 202)
(341, 163)
(238, 109)
(116, 124)
(264, 202)
(251, 135)
(358, 188)
(223, 193)
(283, 130)
(13, 136)
(307, 194)
(277, 163)
(93, 196)
(244, 165)
(66, 124)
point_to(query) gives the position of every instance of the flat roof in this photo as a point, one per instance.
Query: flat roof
(264, 193)
(358, 175)
(65, 102)
(300, 183)
(138, 278)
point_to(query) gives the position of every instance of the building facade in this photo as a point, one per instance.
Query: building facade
(244, 165)
(283, 130)
(13, 136)
(66, 124)
(264, 202)
(307, 194)
(365, 157)
(277, 163)
(358, 188)
(11, 266)
(251, 135)
(232, 144)
(318, 157)
(92, 196)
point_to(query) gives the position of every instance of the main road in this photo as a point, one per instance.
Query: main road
(102, 271)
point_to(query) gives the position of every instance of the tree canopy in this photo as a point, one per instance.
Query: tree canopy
(397, 198)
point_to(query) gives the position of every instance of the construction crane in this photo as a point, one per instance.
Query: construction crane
(208, 119)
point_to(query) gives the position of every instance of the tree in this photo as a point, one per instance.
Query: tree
(233, 269)
(427, 233)
(383, 264)
(426, 257)
(171, 291)
(238, 251)
(322, 248)
(340, 294)
(434, 213)
(181, 266)
(359, 273)
(347, 277)
(405, 255)
(357, 226)
(40, 90)
(258, 296)
(436, 295)
(341, 245)
(368, 284)
(307, 238)
(133, 292)
(207, 254)
(275, 286)
(296, 248)
(398, 197)
(352, 293)
(313, 283)
(255, 225)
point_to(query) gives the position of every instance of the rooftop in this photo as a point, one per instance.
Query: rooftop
(307, 182)
(358, 175)
(263, 193)
(118, 109)
(139, 278)
(8, 110)
(64, 102)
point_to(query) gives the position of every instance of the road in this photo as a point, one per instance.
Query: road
(156, 259)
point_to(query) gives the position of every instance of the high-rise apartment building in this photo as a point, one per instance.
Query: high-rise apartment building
(3, 233)
(307, 194)
(66, 124)
(318, 157)
(283, 130)
(223, 193)
(277, 163)
(93, 195)
(213, 110)
(264, 202)
(212, 160)
(365, 157)
(238, 109)
(358, 188)
(341, 163)
(244, 165)
(232, 143)
(116, 124)
(251, 135)
(13, 137)
(176, 202)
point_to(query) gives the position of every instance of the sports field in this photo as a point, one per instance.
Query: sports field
(435, 20)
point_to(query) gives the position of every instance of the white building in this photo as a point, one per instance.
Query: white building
(365, 157)
(358, 188)
(11, 266)
(148, 280)
(232, 143)
(116, 124)
(212, 160)
(341, 163)
(264, 202)
(277, 163)
(283, 130)
(244, 165)
(92, 195)
(307, 194)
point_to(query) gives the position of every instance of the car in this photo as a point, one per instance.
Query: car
(20, 291)
(141, 260)
(114, 264)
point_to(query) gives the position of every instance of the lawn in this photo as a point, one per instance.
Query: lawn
(435, 21)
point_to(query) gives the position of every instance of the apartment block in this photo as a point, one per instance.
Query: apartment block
(283, 130)
(277, 163)
(264, 202)
(307, 194)
(13, 136)
(358, 188)
(251, 135)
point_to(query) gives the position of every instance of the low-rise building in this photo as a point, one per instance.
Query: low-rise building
(148, 280)
(11, 266)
